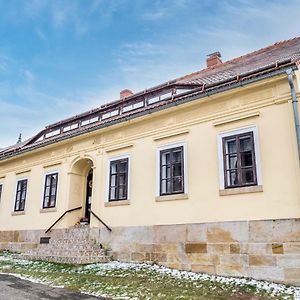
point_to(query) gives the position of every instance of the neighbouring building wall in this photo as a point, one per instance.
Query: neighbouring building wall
(197, 125)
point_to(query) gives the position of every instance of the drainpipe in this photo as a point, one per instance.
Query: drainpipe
(290, 73)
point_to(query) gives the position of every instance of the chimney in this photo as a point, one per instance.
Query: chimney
(125, 93)
(213, 59)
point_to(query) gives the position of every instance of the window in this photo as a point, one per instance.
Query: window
(239, 160)
(171, 171)
(50, 190)
(118, 180)
(0, 191)
(21, 195)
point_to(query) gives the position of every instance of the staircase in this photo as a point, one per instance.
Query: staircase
(71, 246)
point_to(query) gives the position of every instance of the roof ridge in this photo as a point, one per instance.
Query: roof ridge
(238, 58)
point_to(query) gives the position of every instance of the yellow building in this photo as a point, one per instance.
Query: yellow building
(199, 173)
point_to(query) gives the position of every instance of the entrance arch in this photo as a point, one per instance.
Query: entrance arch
(80, 189)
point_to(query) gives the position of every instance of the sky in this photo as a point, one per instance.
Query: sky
(59, 58)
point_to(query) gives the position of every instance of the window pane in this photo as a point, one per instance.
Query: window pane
(166, 186)
(246, 159)
(46, 202)
(247, 176)
(232, 178)
(112, 195)
(48, 180)
(245, 144)
(231, 161)
(113, 168)
(231, 146)
(122, 194)
(123, 167)
(52, 201)
(122, 179)
(177, 156)
(165, 158)
(47, 191)
(166, 172)
(177, 170)
(113, 180)
(177, 184)
(53, 190)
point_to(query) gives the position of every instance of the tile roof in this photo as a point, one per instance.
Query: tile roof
(262, 58)
(253, 65)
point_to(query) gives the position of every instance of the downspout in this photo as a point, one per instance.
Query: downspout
(290, 73)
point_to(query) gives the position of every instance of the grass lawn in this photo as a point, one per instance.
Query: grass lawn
(142, 281)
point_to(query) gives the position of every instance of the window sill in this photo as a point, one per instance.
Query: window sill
(241, 190)
(46, 210)
(172, 197)
(117, 203)
(18, 213)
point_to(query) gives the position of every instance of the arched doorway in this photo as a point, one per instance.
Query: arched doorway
(80, 191)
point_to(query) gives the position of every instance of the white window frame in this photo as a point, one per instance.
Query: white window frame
(111, 159)
(43, 189)
(15, 194)
(254, 130)
(185, 166)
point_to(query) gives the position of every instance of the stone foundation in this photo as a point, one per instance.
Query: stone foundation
(268, 250)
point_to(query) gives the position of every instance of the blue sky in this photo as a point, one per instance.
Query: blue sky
(60, 58)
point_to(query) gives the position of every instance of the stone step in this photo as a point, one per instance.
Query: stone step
(66, 259)
(72, 245)
(64, 252)
(76, 246)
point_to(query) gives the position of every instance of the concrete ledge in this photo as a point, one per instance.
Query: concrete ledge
(241, 190)
(18, 213)
(172, 197)
(46, 210)
(117, 203)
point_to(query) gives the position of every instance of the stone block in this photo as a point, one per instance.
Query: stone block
(260, 231)
(234, 259)
(136, 256)
(266, 273)
(174, 265)
(218, 248)
(287, 230)
(197, 232)
(259, 248)
(173, 258)
(277, 248)
(123, 256)
(168, 248)
(292, 273)
(203, 259)
(144, 247)
(227, 232)
(196, 248)
(231, 270)
(158, 257)
(289, 261)
(262, 260)
(203, 269)
(185, 267)
(235, 249)
(169, 234)
(291, 248)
